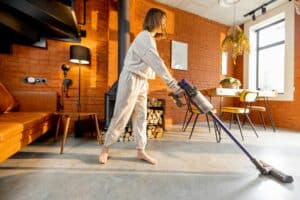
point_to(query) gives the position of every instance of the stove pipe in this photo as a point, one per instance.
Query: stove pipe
(123, 45)
(123, 31)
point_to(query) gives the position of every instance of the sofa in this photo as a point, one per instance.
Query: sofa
(24, 116)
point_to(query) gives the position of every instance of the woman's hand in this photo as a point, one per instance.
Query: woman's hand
(180, 93)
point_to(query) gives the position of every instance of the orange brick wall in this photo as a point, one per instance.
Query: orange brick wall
(203, 37)
(286, 114)
(37, 62)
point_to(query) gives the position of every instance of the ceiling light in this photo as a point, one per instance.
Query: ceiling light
(263, 9)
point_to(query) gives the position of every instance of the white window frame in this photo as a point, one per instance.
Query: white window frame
(287, 12)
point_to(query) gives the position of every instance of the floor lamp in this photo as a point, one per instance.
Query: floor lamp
(81, 56)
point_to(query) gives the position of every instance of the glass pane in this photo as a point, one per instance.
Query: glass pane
(224, 63)
(272, 34)
(271, 69)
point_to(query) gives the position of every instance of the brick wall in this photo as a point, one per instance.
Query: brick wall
(203, 37)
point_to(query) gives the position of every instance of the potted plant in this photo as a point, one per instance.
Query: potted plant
(236, 42)
(230, 82)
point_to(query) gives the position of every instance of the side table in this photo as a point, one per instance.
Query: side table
(67, 116)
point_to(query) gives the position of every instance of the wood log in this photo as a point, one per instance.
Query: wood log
(149, 134)
(102, 137)
(131, 138)
(155, 117)
(154, 102)
(159, 132)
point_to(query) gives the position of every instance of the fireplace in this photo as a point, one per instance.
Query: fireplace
(109, 104)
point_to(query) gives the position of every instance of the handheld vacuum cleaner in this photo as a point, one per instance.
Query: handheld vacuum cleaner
(205, 107)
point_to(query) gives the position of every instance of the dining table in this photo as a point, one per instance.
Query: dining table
(263, 95)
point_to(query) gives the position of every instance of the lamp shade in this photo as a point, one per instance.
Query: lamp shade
(79, 54)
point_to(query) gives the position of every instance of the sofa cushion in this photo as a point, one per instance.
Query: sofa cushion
(37, 101)
(9, 130)
(7, 101)
(27, 119)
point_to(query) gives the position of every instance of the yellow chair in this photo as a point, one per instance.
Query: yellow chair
(194, 111)
(247, 97)
(260, 110)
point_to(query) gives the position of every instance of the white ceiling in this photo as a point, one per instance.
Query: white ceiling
(212, 10)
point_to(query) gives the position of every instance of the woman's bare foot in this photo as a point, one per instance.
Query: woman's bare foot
(103, 155)
(141, 154)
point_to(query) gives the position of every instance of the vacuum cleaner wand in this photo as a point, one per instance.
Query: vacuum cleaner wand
(204, 106)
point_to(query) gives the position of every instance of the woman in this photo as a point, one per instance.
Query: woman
(141, 63)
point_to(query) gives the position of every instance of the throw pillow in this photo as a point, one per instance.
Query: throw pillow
(7, 101)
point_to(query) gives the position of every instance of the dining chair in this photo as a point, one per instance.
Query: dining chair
(247, 97)
(192, 110)
(260, 110)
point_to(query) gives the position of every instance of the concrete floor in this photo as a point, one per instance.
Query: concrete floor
(188, 169)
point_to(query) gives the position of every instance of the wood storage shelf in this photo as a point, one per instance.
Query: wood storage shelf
(155, 118)
(155, 121)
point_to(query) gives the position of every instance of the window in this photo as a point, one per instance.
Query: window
(270, 41)
(224, 65)
(270, 63)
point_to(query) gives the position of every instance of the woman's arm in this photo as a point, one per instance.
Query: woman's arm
(145, 48)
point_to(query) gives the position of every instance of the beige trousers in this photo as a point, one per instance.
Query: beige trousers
(131, 102)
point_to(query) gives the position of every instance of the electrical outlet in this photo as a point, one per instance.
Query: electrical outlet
(33, 80)
(41, 80)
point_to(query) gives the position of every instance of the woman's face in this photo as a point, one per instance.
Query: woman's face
(163, 27)
(161, 32)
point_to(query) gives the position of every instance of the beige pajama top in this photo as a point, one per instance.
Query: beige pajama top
(143, 59)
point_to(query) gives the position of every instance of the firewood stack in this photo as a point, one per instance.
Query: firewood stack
(155, 122)
(155, 116)
(102, 137)
(155, 132)
(154, 102)
(127, 136)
